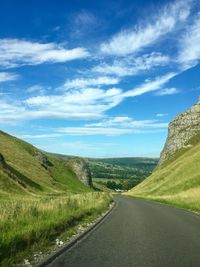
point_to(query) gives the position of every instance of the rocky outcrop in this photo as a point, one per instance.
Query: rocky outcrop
(80, 168)
(43, 160)
(2, 161)
(181, 130)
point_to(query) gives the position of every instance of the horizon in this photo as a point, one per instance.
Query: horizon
(97, 80)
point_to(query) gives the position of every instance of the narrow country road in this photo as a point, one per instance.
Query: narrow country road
(139, 233)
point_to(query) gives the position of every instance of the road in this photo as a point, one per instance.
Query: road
(139, 233)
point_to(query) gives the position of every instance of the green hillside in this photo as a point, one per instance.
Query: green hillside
(177, 181)
(25, 169)
(41, 199)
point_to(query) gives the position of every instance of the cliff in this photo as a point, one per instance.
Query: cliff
(81, 169)
(181, 130)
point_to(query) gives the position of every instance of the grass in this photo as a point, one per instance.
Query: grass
(25, 174)
(41, 199)
(177, 182)
(26, 221)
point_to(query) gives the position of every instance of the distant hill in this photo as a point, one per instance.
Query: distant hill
(146, 164)
(26, 169)
(177, 178)
(127, 172)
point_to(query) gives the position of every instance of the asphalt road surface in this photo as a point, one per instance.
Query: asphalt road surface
(139, 233)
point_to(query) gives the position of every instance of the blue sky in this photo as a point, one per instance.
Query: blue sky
(97, 78)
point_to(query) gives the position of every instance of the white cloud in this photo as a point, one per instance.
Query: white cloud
(90, 82)
(110, 127)
(83, 103)
(167, 91)
(15, 52)
(87, 103)
(161, 115)
(131, 66)
(6, 76)
(127, 122)
(133, 40)
(189, 54)
(150, 86)
(81, 131)
(40, 136)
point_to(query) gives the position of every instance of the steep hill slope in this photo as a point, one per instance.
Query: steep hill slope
(26, 169)
(177, 179)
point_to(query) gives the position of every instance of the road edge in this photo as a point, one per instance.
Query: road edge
(48, 259)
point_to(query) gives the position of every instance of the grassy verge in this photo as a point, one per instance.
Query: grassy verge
(189, 200)
(27, 221)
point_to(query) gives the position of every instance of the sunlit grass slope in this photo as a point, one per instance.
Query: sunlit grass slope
(41, 199)
(28, 170)
(177, 181)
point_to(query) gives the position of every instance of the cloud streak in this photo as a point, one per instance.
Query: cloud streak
(189, 48)
(90, 82)
(133, 40)
(82, 103)
(131, 66)
(167, 91)
(16, 52)
(7, 76)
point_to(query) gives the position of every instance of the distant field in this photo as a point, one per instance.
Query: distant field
(122, 168)
(146, 164)
(125, 172)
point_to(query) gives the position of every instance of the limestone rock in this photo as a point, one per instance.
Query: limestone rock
(181, 130)
(81, 169)
(43, 160)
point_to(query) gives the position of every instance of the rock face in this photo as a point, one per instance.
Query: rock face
(81, 169)
(181, 130)
(43, 160)
(2, 161)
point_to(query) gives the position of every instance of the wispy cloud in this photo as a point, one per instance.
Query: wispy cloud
(133, 40)
(160, 115)
(127, 122)
(167, 91)
(108, 131)
(82, 23)
(116, 126)
(130, 66)
(90, 82)
(16, 52)
(82, 103)
(150, 86)
(36, 89)
(7, 76)
(189, 47)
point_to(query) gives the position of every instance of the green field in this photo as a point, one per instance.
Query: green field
(177, 182)
(41, 199)
(124, 172)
